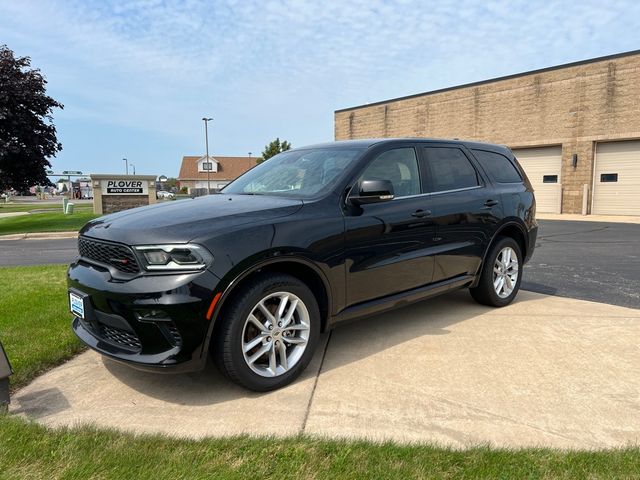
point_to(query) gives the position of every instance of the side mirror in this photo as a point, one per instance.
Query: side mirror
(373, 191)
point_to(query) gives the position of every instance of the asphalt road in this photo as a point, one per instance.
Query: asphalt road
(586, 260)
(37, 252)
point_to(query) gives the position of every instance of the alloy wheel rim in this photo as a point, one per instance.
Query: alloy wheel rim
(505, 272)
(275, 334)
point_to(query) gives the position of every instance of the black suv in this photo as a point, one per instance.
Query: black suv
(308, 239)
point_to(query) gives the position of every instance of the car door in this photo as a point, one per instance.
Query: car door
(387, 244)
(465, 209)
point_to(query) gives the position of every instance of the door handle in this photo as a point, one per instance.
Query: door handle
(421, 213)
(491, 203)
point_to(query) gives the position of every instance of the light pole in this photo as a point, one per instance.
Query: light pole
(126, 165)
(134, 168)
(206, 139)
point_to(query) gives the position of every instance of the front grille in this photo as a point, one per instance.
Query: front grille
(120, 337)
(118, 256)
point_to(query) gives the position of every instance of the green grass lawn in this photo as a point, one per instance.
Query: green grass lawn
(34, 321)
(31, 451)
(45, 222)
(35, 329)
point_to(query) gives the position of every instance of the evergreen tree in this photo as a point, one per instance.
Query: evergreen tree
(274, 148)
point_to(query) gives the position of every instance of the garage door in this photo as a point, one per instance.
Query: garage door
(542, 165)
(616, 185)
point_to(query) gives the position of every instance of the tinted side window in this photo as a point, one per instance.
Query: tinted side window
(498, 166)
(400, 166)
(449, 169)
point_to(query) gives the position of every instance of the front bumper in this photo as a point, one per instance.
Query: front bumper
(117, 323)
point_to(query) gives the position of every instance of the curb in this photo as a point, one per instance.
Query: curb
(39, 236)
(13, 214)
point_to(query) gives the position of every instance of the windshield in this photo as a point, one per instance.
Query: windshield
(296, 173)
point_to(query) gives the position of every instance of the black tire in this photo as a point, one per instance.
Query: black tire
(484, 292)
(227, 345)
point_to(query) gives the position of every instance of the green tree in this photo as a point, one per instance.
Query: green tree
(27, 134)
(171, 183)
(274, 148)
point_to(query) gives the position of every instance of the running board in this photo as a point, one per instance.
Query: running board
(374, 307)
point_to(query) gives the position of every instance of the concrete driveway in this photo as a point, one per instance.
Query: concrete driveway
(545, 371)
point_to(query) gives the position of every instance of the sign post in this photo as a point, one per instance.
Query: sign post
(113, 193)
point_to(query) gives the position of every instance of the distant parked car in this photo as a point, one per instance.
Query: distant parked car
(164, 194)
(308, 239)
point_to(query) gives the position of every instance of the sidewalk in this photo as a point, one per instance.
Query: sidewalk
(13, 214)
(588, 218)
(38, 235)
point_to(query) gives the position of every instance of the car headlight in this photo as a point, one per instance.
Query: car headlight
(174, 257)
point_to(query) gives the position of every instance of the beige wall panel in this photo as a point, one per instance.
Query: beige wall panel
(623, 196)
(538, 162)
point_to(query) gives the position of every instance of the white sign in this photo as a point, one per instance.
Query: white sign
(125, 187)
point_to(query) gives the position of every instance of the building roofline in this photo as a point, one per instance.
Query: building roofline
(204, 178)
(496, 79)
(120, 176)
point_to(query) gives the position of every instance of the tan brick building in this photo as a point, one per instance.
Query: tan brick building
(222, 170)
(572, 125)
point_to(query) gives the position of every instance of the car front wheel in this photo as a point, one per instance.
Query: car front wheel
(269, 333)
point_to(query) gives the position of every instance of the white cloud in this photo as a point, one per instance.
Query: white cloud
(280, 67)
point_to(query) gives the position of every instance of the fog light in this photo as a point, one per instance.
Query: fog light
(153, 315)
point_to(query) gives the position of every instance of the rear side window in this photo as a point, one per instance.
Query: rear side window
(449, 169)
(498, 166)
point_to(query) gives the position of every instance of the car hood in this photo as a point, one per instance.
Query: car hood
(183, 220)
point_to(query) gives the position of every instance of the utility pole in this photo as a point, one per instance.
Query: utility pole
(126, 165)
(206, 139)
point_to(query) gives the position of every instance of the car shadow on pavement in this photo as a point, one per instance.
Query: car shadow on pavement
(206, 387)
(539, 288)
(357, 340)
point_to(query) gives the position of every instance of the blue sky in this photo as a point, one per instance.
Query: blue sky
(136, 77)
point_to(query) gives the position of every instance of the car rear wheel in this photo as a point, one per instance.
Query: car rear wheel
(269, 333)
(500, 276)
